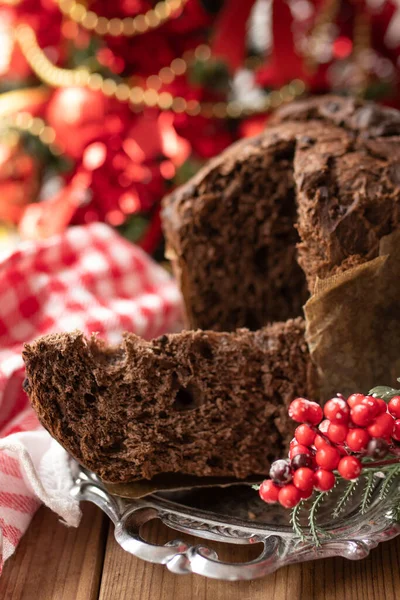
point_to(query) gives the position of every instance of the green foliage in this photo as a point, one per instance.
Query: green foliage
(367, 492)
(384, 392)
(344, 499)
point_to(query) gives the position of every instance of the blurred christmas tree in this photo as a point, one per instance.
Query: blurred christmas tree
(104, 107)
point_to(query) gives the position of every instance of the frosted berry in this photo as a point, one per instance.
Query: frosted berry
(362, 415)
(355, 399)
(382, 426)
(324, 425)
(377, 448)
(299, 449)
(327, 458)
(357, 439)
(337, 411)
(323, 480)
(280, 471)
(304, 411)
(373, 404)
(396, 430)
(303, 479)
(337, 433)
(289, 496)
(349, 467)
(298, 410)
(269, 491)
(301, 460)
(304, 435)
(394, 406)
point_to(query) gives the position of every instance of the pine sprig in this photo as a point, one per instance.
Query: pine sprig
(295, 521)
(312, 519)
(367, 492)
(391, 474)
(341, 505)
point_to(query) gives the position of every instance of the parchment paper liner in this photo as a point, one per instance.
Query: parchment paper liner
(353, 324)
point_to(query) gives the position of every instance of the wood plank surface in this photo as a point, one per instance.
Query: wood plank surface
(54, 562)
(375, 578)
(57, 563)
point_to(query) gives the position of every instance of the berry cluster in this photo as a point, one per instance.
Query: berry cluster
(361, 427)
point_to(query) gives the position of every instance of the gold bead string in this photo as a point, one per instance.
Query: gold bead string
(128, 26)
(325, 17)
(25, 122)
(138, 96)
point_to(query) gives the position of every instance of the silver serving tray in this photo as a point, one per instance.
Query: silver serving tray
(236, 515)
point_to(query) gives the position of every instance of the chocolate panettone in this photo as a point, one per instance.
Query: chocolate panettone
(249, 235)
(318, 188)
(200, 403)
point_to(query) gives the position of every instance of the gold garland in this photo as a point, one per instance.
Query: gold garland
(136, 95)
(129, 26)
(25, 122)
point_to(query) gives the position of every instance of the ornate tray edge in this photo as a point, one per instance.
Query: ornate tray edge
(280, 547)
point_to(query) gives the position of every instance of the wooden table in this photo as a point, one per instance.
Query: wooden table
(57, 563)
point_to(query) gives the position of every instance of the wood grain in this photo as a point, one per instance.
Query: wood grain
(377, 577)
(54, 562)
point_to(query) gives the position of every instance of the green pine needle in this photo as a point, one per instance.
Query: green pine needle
(295, 521)
(340, 506)
(391, 474)
(312, 520)
(367, 492)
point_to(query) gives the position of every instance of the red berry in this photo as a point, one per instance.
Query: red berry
(327, 458)
(382, 406)
(355, 399)
(373, 404)
(377, 448)
(305, 495)
(304, 411)
(303, 479)
(301, 460)
(357, 439)
(299, 449)
(337, 433)
(394, 406)
(396, 430)
(269, 491)
(382, 426)
(293, 443)
(280, 471)
(289, 496)
(349, 467)
(298, 410)
(362, 415)
(320, 442)
(337, 411)
(304, 435)
(323, 480)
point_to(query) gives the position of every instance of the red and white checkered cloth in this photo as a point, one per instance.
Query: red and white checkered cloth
(88, 278)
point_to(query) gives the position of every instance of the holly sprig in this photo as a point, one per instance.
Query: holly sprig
(358, 442)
